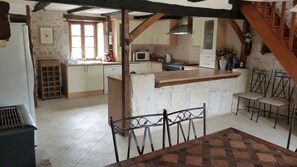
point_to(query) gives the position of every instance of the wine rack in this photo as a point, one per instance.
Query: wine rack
(50, 84)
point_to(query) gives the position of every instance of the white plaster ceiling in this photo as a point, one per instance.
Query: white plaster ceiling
(215, 4)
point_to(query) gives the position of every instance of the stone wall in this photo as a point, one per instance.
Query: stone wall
(266, 61)
(60, 48)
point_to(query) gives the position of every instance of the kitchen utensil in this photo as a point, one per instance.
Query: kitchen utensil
(168, 58)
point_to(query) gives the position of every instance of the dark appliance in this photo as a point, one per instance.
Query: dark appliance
(16, 137)
(172, 67)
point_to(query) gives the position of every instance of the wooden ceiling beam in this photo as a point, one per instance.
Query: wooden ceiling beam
(78, 9)
(154, 7)
(40, 5)
(83, 18)
(237, 30)
(144, 25)
(18, 18)
(112, 13)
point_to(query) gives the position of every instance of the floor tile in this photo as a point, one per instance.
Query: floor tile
(72, 155)
(75, 132)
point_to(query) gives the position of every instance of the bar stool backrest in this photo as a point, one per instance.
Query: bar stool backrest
(260, 81)
(185, 118)
(141, 123)
(282, 86)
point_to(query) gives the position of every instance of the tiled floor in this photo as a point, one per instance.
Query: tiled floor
(75, 133)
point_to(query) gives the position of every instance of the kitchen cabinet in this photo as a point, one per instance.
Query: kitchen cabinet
(82, 80)
(140, 68)
(155, 67)
(197, 31)
(141, 38)
(213, 38)
(154, 34)
(160, 30)
(111, 70)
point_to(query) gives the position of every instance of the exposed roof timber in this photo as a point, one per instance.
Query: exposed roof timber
(79, 9)
(153, 7)
(195, 0)
(112, 13)
(17, 18)
(40, 6)
(164, 17)
(144, 25)
(70, 17)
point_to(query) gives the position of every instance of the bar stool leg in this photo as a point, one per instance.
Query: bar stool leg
(253, 110)
(276, 118)
(237, 105)
(264, 110)
(270, 112)
(259, 111)
(288, 118)
(249, 106)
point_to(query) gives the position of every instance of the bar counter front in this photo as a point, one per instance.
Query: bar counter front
(176, 90)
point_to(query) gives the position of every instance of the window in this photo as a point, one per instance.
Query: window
(83, 40)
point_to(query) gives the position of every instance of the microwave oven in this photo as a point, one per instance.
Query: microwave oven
(142, 56)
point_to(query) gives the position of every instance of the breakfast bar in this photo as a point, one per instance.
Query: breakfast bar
(199, 75)
(175, 90)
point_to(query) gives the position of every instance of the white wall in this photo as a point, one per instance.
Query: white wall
(17, 7)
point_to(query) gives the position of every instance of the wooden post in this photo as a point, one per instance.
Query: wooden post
(292, 27)
(109, 31)
(283, 19)
(243, 54)
(28, 14)
(273, 12)
(264, 8)
(125, 63)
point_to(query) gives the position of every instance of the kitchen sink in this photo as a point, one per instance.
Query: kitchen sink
(89, 62)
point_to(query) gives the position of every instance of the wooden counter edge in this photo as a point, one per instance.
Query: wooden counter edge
(159, 84)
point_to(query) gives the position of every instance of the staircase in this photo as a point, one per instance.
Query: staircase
(271, 27)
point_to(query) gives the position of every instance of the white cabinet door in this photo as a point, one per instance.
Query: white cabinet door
(134, 68)
(160, 30)
(148, 35)
(163, 29)
(140, 38)
(156, 67)
(76, 76)
(197, 31)
(209, 35)
(143, 68)
(111, 70)
(94, 77)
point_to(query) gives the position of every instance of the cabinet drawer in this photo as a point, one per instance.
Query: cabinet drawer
(207, 63)
(210, 57)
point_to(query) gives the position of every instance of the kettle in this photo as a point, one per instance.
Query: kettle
(168, 58)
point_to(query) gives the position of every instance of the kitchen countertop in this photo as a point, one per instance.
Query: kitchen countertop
(91, 63)
(168, 78)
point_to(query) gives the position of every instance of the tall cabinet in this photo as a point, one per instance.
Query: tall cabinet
(213, 32)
